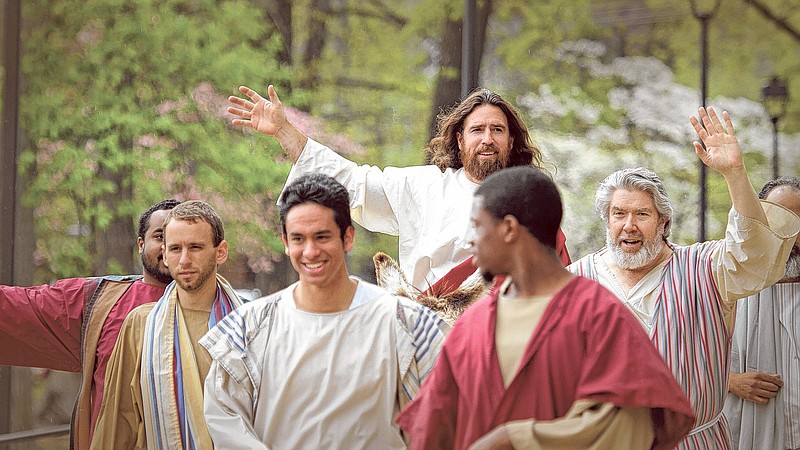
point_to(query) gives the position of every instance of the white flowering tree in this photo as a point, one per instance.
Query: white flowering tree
(642, 121)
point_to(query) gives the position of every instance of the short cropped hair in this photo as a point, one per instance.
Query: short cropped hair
(198, 210)
(322, 190)
(793, 182)
(144, 219)
(636, 179)
(529, 195)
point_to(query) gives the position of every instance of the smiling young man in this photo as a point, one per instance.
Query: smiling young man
(330, 360)
(427, 207)
(684, 296)
(73, 324)
(154, 385)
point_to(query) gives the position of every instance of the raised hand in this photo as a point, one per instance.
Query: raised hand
(721, 152)
(260, 114)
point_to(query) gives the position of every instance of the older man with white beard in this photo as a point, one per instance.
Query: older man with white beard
(685, 296)
(763, 404)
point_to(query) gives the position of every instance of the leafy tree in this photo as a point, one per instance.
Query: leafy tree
(124, 105)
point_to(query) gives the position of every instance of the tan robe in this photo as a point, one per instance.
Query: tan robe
(120, 424)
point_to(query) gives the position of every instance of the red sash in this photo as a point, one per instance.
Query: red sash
(458, 274)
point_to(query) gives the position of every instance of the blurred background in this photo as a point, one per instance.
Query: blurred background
(110, 106)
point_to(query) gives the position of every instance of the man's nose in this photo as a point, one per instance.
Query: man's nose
(630, 223)
(184, 259)
(487, 137)
(311, 248)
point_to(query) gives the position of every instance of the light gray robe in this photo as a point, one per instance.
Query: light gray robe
(757, 346)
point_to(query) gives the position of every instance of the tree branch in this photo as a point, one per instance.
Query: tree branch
(781, 23)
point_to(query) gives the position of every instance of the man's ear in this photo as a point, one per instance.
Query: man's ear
(222, 252)
(511, 228)
(140, 244)
(164, 254)
(349, 238)
(285, 244)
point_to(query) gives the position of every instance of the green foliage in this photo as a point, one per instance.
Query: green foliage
(122, 93)
(131, 96)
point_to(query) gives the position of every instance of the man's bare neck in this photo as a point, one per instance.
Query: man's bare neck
(199, 300)
(147, 279)
(327, 299)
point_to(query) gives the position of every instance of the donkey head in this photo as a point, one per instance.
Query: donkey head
(448, 304)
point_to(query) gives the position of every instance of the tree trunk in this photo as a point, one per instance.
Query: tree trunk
(280, 12)
(116, 242)
(448, 82)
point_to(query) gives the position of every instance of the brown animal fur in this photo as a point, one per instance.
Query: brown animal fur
(448, 305)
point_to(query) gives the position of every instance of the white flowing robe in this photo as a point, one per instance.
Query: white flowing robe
(765, 339)
(321, 380)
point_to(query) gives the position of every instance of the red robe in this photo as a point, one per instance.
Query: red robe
(48, 326)
(587, 345)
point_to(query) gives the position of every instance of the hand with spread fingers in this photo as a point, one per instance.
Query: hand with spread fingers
(721, 152)
(263, 115)
(267, 116)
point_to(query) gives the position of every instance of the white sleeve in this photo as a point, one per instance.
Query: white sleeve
(373, 192)
(753, 255)
(229, 412)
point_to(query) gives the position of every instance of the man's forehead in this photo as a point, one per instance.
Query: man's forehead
(486, 114)
(631, 198)
(157, 219)
(310, 216)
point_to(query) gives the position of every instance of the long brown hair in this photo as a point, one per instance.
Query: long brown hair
(443, 148)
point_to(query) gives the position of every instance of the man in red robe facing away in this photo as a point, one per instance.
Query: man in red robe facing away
(549, 360)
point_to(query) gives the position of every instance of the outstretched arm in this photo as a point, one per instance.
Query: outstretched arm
(722, 153)
(267, 116)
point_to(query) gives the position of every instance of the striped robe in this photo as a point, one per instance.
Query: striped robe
(689, 321)
(698, 355)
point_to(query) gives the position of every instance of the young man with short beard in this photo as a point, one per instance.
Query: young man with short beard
(73, 324)
(763, 404)
(685, 296)
(426, 206)
(154, 384)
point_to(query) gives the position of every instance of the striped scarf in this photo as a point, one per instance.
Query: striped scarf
(172, 390)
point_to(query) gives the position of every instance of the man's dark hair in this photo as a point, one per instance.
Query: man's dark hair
(444, 146)
(529, 195)
(793, 182)
(144, 219)
(322, 190)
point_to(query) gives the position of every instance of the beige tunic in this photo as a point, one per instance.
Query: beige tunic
(120, 424)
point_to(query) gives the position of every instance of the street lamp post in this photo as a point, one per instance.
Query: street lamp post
(775, 97)
(704, 14)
